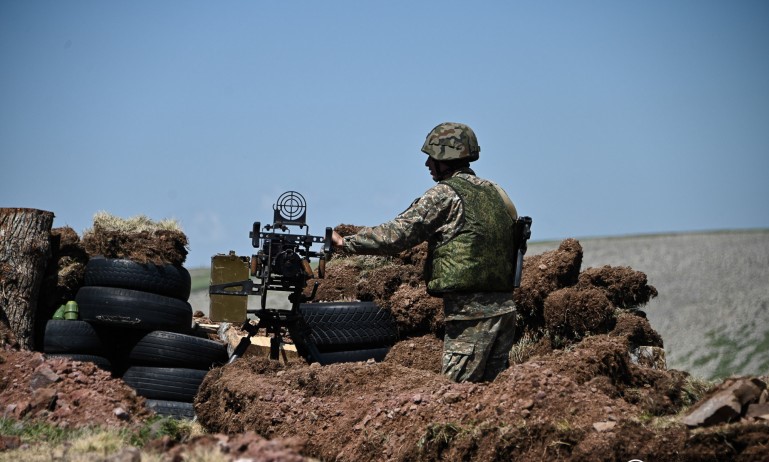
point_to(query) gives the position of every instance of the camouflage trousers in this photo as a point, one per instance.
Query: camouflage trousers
(477, 350)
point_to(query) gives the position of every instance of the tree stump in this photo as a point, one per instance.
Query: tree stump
(24, 250)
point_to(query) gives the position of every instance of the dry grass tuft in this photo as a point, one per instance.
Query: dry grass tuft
(137, 224)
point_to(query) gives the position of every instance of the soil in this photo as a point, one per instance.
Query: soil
(64, 392)
(572, 392)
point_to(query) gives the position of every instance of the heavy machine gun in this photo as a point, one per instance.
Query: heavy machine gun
(282, 263)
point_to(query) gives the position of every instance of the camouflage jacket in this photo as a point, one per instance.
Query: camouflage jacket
(436, 216)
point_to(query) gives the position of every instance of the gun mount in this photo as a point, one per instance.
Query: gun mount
(282, 263)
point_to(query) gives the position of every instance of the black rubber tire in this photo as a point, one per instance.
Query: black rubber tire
(176, 409)
(348, 325)
(167, 280)
(133, 309)
(71, 336)
(377, 354)
(99, 361)
(165, 383)
(171, 349)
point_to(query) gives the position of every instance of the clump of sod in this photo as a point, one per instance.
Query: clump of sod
(138, 238)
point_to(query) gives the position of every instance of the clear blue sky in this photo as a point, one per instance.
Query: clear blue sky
(599, 118)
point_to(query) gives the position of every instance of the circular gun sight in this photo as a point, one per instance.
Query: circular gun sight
(290, 209)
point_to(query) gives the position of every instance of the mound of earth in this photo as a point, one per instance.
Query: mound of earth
(64, 392)
(586, 403)
(578, 387)
(75, 394)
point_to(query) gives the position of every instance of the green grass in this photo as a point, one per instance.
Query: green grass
(37, 432)
(201, 278)
(724, 350)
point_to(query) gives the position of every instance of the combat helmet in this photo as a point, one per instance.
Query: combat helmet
(452, 141)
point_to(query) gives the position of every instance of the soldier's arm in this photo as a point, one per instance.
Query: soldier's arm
(416, 224)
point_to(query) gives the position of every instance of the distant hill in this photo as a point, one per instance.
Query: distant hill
(713, 305)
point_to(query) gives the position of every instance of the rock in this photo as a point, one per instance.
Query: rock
(758, 411)
(649, 356)
(222, 332)
(601, 427)
(43, 399)
(43, 377)
(121, 414)
(750, 391)
(452, 397)
(726, 403)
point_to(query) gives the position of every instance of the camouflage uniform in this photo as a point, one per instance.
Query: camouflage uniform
(477, 348)
(480, 326)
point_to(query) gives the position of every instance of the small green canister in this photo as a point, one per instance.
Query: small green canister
(70, 310)
(59, 314)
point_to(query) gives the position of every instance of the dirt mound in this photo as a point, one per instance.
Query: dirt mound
(545, 273)
(588, 403)
(623, 286)
(64, 392)
(422, 353)
(575, 390)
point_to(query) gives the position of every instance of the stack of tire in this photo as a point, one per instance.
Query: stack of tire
(135, 320)
(337, 332)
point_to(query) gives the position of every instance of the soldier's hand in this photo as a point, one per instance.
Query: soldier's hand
(337, 240)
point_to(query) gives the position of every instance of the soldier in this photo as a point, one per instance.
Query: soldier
(468, 224)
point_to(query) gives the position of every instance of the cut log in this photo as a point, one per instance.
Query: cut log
(260, 346)
(25, 248)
